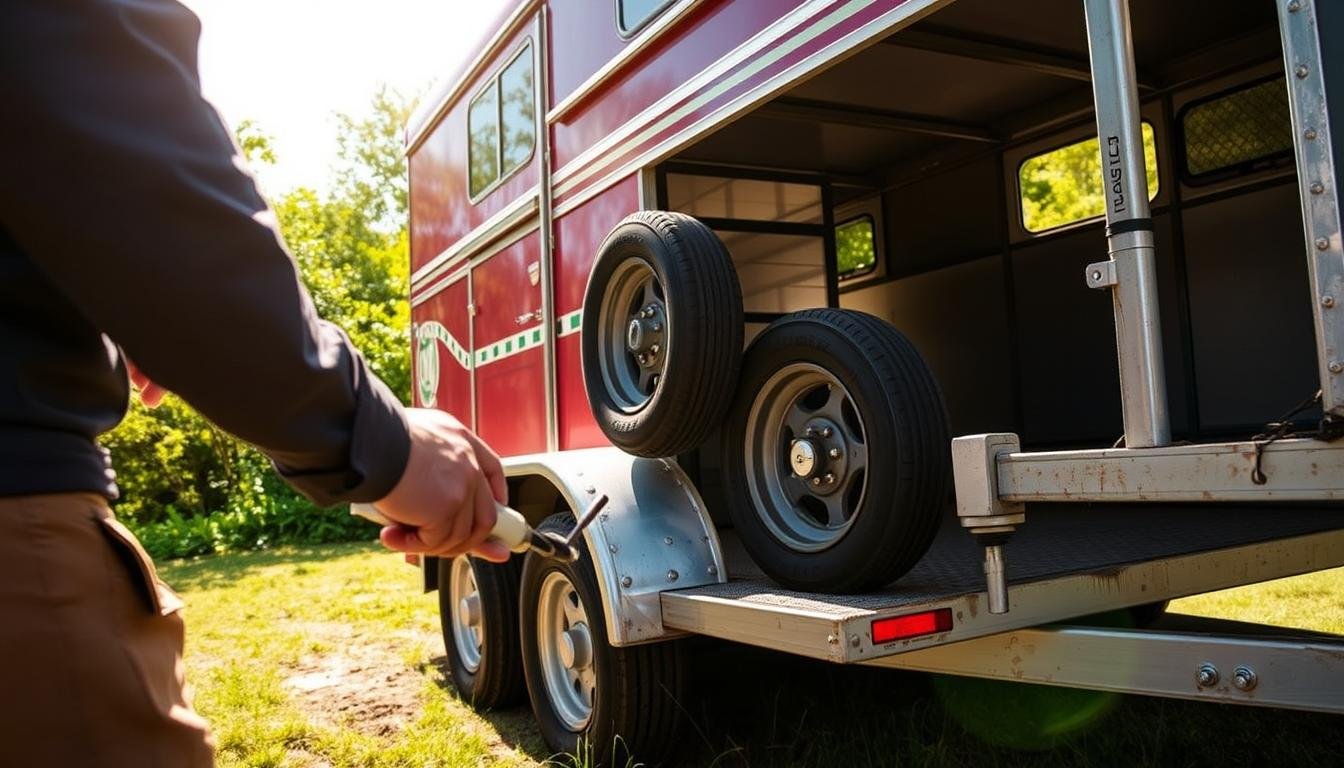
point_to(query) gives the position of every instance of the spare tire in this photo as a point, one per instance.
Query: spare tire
(662, 333)
(836, 452)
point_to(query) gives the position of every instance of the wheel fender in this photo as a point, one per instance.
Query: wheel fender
(653, 536)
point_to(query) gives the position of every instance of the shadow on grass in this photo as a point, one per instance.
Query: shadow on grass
(513, 724)
(208, 571)
(757, 708)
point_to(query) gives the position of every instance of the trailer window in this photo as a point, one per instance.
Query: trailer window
(631, 15)
(1063, 186)
(855, 249)
(502, 125)
(1237, 132)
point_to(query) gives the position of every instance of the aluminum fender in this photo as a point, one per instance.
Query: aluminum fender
(654, 535)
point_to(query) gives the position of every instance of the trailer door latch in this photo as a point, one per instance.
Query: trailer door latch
(1101, 274)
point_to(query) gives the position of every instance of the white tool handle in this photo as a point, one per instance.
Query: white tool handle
(511, 528)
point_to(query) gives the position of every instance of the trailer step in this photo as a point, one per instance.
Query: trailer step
(1067, 561)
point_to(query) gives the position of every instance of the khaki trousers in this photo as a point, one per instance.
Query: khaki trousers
(91, 669)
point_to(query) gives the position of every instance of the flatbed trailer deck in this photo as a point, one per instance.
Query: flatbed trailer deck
(1073, 560)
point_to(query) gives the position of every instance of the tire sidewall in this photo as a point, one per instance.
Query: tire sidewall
(467, 682)
(597, 733)
(797, 341)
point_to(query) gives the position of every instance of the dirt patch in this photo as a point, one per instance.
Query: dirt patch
(358, 684)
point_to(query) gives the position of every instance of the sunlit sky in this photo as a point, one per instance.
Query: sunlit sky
(289, 65)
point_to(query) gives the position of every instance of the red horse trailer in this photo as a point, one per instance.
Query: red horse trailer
(893, 332)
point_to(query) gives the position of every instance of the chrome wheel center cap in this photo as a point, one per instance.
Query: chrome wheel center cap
(469, 608)
(802, 458)
(634, 336)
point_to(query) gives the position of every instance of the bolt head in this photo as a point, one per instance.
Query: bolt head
(816, 482)
(656, 327)
(612, 548)
(672, 575)
(834, 453)
(827, 432)
(667, 540)
(1206, 676)
(1294, 6)
(1322, 244)
(1335, 366)
(1327, 301)
(712, 570)
(1309, 134)
(854, 641)
(1244, 679)
(626, 581)
(1317, 188)
(642, 358)
(828, 478)
(653, 350)
(1301, 71)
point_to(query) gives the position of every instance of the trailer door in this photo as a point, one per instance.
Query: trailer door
(509, 335)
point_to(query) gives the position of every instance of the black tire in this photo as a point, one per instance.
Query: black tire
(635, 710)
(894, 489)
(689, 383)
(497, 678)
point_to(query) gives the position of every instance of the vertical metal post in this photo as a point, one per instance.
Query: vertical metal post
(1131, 273)
(542, 79)
(1314, 135)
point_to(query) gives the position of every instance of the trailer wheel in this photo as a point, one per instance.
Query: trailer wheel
(836, 452)
(609, 706)
(478, 607)
(662, 333)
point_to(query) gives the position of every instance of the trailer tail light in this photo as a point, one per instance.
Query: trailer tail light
(911, 625)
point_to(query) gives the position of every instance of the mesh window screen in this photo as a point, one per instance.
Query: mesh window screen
(1235, 130)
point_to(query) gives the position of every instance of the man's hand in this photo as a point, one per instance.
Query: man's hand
(444, 503)
(151, 394)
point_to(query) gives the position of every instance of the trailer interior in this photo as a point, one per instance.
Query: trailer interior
(932, 179)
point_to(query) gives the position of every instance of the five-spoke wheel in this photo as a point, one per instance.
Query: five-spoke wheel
(836, 452)
(478, 607)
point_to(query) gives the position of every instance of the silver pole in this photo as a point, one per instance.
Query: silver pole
(1131, 271)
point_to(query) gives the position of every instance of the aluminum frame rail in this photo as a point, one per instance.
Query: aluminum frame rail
(1293, 673)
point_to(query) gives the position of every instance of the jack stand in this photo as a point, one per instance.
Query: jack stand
(991, 520)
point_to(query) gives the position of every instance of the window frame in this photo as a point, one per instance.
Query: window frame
(626, 34)
(524, 49)
(841, 277)
(1277, 161)
(1018, 197)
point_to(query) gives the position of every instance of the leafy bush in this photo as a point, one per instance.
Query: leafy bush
(187, 488)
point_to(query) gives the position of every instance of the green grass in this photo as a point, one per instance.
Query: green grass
(331, 656)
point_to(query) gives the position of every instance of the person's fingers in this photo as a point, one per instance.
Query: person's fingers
(401, 538)
(483, 518)
(492, 551)
(459, 519)
(491, 466)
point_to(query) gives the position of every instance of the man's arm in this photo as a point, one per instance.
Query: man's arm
(124, 186)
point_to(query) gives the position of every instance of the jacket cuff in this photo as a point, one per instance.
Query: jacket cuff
(380, 445)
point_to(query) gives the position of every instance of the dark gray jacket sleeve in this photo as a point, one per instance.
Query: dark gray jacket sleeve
(124, 186)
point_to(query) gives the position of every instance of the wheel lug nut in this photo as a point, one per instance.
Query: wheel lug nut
(816, 482)
(642, 358)
(827, 432)
(653, 350)
(657, 327)
(834, 453)
(828, 478)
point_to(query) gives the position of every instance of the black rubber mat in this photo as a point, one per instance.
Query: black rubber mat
(1057, 540)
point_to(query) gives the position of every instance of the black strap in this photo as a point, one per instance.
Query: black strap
(1129, 225)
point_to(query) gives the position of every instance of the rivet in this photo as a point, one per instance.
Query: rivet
(626, 581)
(1294, 6)
(1327, 301)
(672, 575)
(832, 639)
(612, 548)
(712, 570)
(1096, 275)
(1301, 71)
(1309, 134)
(1317, 187)
(853, 641)
(1322, 244)
(667, 540)
(589, 489)
(1335, 366)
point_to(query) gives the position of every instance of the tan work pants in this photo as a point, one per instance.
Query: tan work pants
(91, 667)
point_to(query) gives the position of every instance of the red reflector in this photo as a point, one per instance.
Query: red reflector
(911, 625)
(412, 558)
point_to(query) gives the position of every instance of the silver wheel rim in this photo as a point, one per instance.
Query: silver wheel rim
(468, 628)
(806, 456)
(565, 647)
(633, 334)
